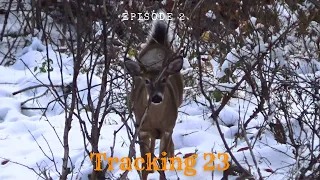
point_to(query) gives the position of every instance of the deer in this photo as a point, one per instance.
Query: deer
(158, 85)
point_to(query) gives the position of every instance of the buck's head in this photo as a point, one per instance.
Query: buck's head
(155, 80)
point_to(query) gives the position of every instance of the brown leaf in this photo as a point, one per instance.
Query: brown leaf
(4, 162)
(243, 149)
(269, 170)
(188, 155)
(178, 153)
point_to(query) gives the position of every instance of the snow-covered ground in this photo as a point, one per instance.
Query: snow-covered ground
(27, 139)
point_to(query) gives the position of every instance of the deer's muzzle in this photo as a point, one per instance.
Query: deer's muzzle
(157, 98)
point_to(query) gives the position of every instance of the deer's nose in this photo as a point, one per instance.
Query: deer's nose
(156, 99)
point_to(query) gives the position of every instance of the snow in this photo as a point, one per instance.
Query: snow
(211, 15)
(232, 57)
(225, 86)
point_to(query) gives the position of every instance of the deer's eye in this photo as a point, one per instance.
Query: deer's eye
(147, 81)
(163, 80)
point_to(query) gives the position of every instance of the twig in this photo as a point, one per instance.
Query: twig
(251, 152)
(33, 108)
(35, 97)
(53, 159)
(5, 20)
(33, 87)
(133, 141)
(32, 169)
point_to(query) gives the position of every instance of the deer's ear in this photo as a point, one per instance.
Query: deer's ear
(175, 66)
(132, 67)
